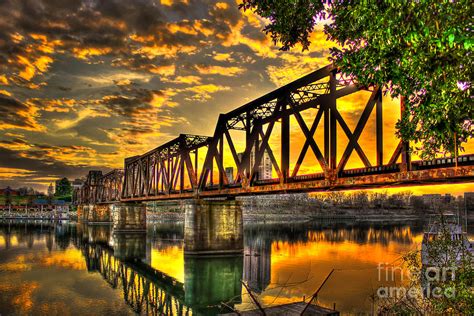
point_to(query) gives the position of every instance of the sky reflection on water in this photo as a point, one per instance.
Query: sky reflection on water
(68, 268)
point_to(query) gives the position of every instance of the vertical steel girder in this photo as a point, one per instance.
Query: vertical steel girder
(88, 193)
(110, 189)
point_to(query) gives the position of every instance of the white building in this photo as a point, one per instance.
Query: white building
(264, 169)
(229, 173)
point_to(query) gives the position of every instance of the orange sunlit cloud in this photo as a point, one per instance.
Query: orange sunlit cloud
(85, 91)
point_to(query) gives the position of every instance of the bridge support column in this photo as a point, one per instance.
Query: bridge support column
(83, 212)
(99, 214)
(213, 228)
(129, 217)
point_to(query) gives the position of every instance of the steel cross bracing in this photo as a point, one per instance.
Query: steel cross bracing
(110, 189)
(163, 172)
(100, 188)
(87, 194)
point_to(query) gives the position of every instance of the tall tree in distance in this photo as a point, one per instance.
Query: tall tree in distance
(421, 50)
(63, 188)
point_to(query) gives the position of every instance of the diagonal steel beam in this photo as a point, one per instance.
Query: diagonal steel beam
(353, 140)
(306, 145)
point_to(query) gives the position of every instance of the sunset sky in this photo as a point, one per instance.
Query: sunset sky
(84, 84)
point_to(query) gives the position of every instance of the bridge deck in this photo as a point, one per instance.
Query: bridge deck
(311, 183)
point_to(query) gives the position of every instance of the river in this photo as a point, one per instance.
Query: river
(67, 268)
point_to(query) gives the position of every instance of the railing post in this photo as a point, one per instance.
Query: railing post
(379, 128)
(221, 160)
(248, 134)
(332, 124)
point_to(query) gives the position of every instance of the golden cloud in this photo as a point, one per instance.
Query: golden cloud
(16, 114)
(222, 57)
(5, 92)
(172, 2)
(182, 27)
(52, 105)
(88, 52)
(3, 80)
(219, 70)
(185, 80)
(203, 92)
(204, 27)
(11, 173)
(80, 115)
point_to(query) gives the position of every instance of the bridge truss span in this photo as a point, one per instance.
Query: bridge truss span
(165, 169)
(282, 130)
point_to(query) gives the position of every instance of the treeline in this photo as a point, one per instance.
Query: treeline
(384, 200)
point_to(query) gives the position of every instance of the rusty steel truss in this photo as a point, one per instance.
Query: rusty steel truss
(100, 188)
(163, 172)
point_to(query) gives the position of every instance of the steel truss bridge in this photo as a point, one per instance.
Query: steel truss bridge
(174, 170)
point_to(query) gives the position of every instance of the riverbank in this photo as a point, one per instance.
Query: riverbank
(269, 209)
(294, 208)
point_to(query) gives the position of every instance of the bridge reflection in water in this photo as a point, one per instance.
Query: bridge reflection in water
(123, 260)
(153, 279)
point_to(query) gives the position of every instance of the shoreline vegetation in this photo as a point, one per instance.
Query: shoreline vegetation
(359, 205)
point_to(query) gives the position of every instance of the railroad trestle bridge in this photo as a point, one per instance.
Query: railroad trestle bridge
(193, 167)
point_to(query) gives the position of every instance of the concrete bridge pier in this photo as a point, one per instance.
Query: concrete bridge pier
(129, 217)
(94, 213)
(213, 228)
(83, 211)
(99, 214)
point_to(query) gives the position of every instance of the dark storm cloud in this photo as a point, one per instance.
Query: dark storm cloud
(106, 79)
(14, 142)
(129, 101)
(16, 114)
(41, 168)
(139, 34)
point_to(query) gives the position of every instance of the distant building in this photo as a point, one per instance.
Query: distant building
(229, 173)
(469, 201)
(50, 190)
(432, 199)
(9, 191)
(264, 169)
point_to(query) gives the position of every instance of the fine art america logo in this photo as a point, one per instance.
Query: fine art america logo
(430, 278)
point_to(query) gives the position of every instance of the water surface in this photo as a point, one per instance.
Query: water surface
(67, 268)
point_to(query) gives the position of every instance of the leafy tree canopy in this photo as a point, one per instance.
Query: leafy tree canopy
(63, 187)
(421, 50)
